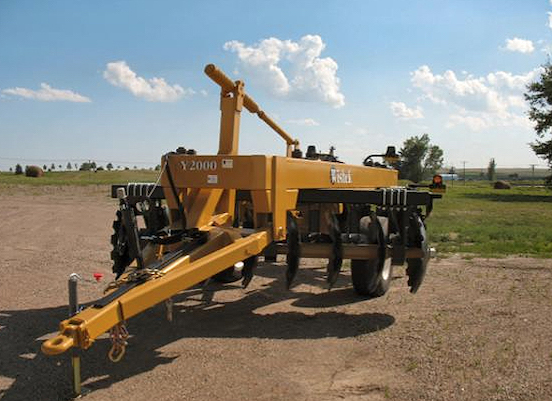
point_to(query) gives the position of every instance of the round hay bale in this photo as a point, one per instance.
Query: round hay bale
(502, 185)
(33, 171)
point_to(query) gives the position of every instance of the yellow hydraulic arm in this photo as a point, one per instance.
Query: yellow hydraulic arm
(228, 86)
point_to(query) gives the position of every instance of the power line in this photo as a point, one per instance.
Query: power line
(533, 169)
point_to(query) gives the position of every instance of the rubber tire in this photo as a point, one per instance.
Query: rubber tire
(367, 274)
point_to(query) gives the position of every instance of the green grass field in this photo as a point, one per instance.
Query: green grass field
(479, 220)
(81, 177)
(475, 219)
(511, 174)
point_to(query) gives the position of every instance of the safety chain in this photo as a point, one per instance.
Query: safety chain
(118, 335)
(138, 275)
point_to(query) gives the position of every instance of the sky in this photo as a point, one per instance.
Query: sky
(123, 82)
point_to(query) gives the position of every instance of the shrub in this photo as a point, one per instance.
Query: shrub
(33, 171)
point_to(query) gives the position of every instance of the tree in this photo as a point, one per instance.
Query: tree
(109, 166)
(18, 169)
(419, 158)
(53, 167)
(68, 167)
(491, 170)
(539, 96)
(45, 167)
(88, 166)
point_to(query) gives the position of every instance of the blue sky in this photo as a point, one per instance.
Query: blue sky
(123, 81)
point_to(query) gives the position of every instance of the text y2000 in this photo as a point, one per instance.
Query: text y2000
(201, 165)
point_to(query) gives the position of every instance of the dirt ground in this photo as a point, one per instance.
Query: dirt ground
(477, 330)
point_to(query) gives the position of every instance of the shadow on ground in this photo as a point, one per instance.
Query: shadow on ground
(36, 376)
(508, 197)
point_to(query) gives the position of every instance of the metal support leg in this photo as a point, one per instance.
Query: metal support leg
(75, 362)
(75, 352)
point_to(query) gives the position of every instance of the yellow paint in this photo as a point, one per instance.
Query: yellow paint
(206, 185)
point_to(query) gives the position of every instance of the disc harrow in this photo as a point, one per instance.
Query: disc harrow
(209, 216)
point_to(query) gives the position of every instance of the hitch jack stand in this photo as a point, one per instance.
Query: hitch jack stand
(75, 352)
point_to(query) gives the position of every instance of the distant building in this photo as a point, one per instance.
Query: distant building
(449, 177)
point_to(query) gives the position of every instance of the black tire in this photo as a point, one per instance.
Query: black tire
(372, 277)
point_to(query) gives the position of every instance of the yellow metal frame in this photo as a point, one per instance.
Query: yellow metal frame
(207, 185)
(224, 249)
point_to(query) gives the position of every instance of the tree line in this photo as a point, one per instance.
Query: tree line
(86, 166)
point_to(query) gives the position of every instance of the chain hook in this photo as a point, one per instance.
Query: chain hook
(118, 335)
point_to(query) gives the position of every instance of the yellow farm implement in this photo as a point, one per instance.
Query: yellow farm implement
(208, 213)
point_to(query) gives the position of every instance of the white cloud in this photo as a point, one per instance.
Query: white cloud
(306, 122)
(482, 120)
(430, 97)
(291, 70)
(47, 94)
(507, 80)
(519, 45)
(550, 20)
(400, 110)
(155, 89)
(472, 122)
(494, 100)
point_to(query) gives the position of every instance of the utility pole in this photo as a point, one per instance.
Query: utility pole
(533, 170)
(464, 163)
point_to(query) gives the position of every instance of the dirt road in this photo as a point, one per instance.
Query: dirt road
(477, 330)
